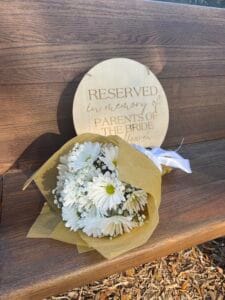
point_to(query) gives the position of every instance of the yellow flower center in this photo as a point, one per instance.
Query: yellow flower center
(134, 198)
(115, 163)
(110, 189)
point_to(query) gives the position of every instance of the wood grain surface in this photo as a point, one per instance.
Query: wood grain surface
(46, 47)
(191, 212)
(1, 195)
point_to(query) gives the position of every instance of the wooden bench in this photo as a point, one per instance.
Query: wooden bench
(45, 48)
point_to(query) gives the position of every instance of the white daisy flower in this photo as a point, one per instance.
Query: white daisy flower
(71, 188)
(106, 192)
(70, 216)
(117, 225)
(84, 156)
(136, 202)
(92, 226)
(110, 156)
(70, 192)
(107, 226)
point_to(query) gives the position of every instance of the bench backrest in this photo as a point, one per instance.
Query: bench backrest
(46, 47)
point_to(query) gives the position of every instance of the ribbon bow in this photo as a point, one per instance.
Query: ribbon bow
(167, 158)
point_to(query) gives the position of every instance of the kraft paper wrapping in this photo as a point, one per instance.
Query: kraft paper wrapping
(134, 168)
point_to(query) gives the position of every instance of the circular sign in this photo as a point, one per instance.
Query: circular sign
(122, 97)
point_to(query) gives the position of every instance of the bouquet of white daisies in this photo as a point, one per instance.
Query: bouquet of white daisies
(91, 196)
(101, 194)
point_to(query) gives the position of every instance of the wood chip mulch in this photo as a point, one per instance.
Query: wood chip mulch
(196, 273)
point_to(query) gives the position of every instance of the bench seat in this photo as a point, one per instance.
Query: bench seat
(192, 211)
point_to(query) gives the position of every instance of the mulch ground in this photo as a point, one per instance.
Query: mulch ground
(196, 273)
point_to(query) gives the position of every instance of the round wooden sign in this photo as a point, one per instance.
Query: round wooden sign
(122, 97)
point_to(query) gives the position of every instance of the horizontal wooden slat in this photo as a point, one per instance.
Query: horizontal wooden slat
(1, 195)
(37, 118)
(73, 21)
(50, 42)
(191, 212)
(63, 63)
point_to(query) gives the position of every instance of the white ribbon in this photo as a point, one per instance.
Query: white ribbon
(167, 158)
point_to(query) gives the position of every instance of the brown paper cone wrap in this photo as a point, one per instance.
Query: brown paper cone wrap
(134, 168)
